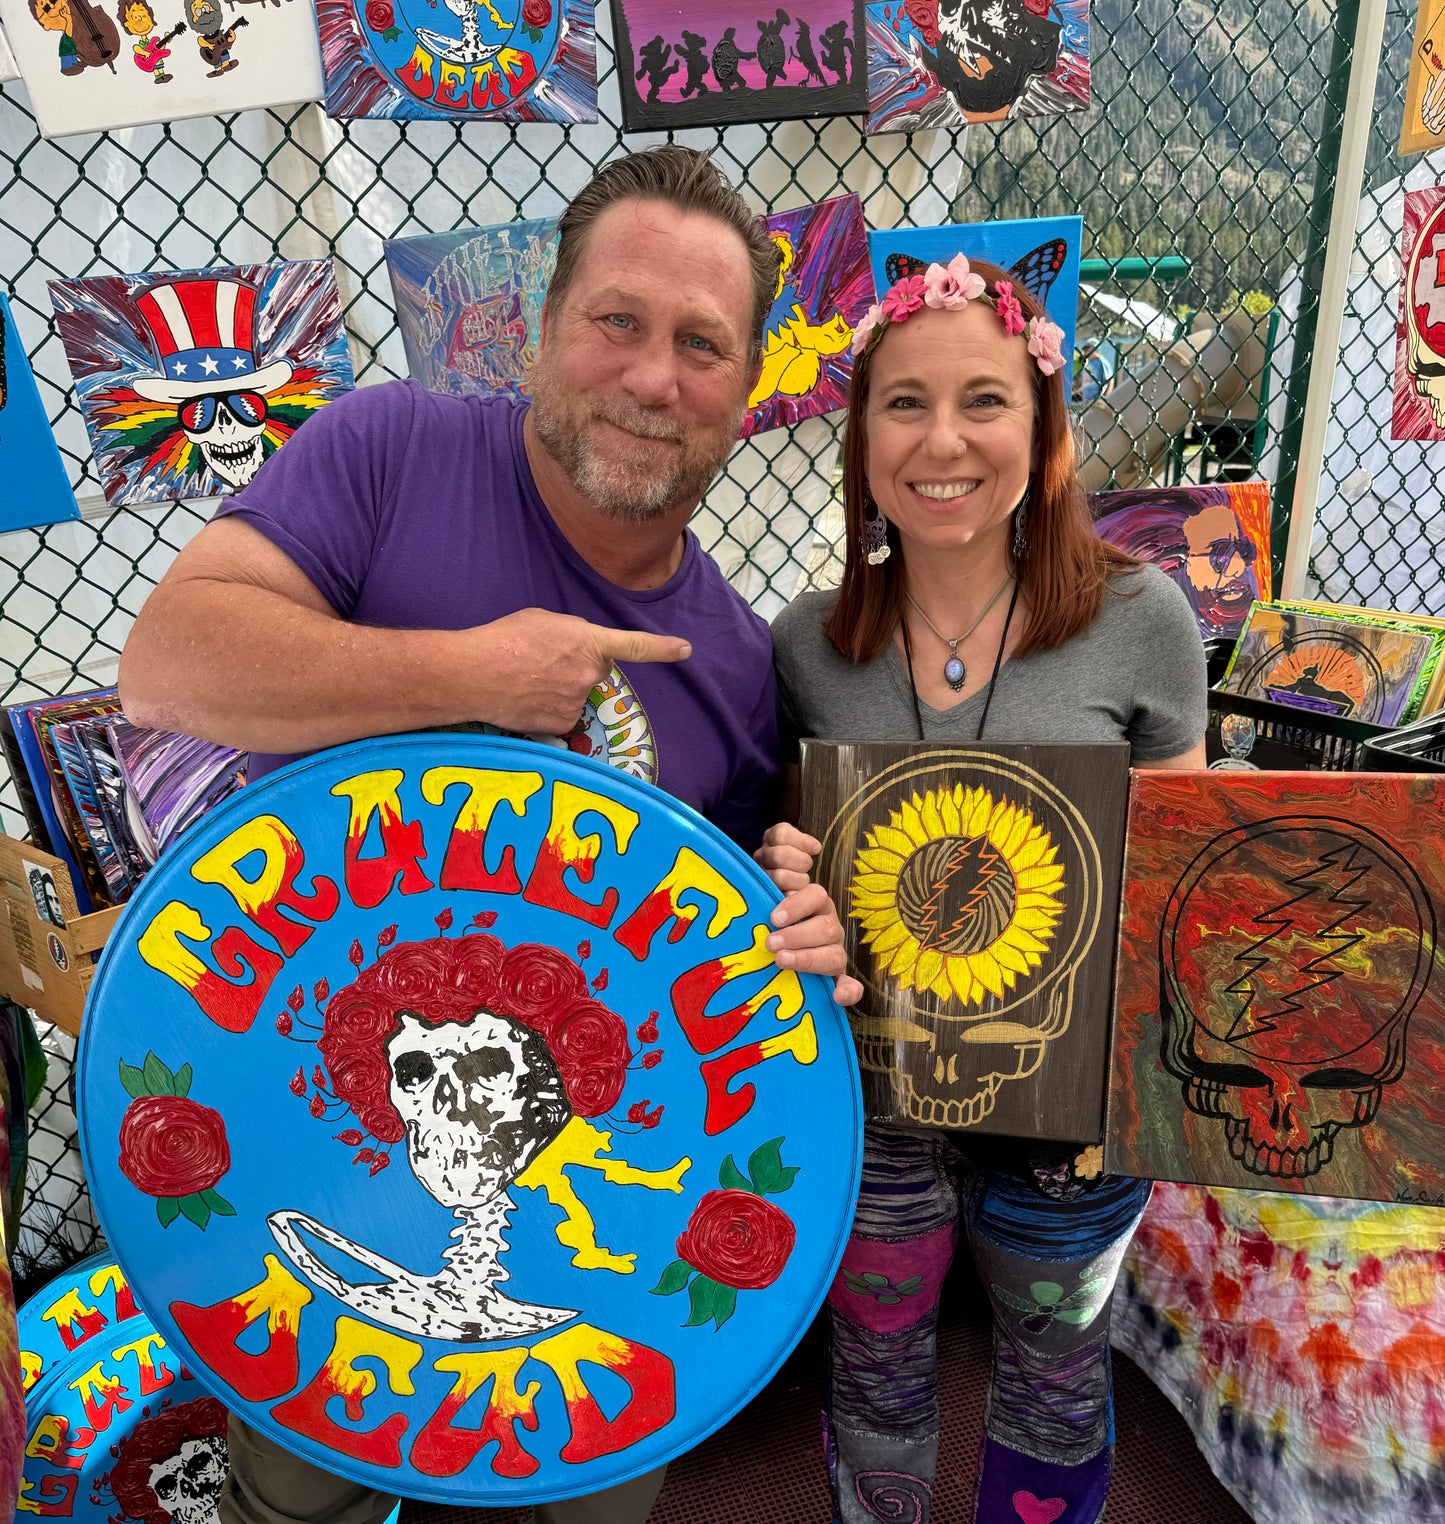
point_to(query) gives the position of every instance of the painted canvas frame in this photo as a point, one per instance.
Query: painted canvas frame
(946, 63)
(96, 65)
(471, 60)
(713, 63)
(1419, 400)
(1212, 541)
(469, 304)
(37, 486)
(1423, 124)
(1279, 1009)
(1377, 674)
(1040, 253)
(188, 381)
(825, 285)
(978, 888)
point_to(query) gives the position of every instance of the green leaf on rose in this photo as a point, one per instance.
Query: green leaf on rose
(700, 1293)
(159, 1080)
(195, 1209)
(765, 1165)
(731, 1178)
(786, 1176)
(133, 1080)
(391, 34)
(167, 1209)
(183, 1080)
(725, 1298)
(218, 1204)
(673, 1279)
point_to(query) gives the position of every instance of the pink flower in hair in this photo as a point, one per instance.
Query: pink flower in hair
(864, 327)
(1046, 344)
(1010, 312)
(904, 298)
(953, 285)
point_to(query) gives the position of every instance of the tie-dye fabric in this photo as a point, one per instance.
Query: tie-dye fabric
(1304, 1341)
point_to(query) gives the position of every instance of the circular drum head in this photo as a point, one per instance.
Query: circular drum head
(445, 1108)
(123, 1431)
(82, 1303)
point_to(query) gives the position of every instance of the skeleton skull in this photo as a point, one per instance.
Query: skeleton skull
(479, 1101)
(1425, 314)
(1291, 957)
(187, 1485)
(227, 431)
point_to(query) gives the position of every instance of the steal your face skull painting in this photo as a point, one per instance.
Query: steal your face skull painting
(1292, 954)
(171, 1467)
(1425, 314)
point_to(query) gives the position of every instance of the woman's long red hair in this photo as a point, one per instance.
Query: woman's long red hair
(1062, 576)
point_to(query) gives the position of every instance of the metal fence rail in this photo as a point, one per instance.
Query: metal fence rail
(1204, 141)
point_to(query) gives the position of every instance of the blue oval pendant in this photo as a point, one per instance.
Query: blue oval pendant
(954, 673)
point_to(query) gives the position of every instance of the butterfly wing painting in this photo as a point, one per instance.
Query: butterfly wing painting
(1212, 541)
(92, 66)
(945, 63)
(1040, 253)
(711, 64)
(469, 304)
(825, 285)
(469, 60)
(187, 382)
(37, 489)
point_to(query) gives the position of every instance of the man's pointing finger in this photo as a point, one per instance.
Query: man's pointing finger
(641, 645)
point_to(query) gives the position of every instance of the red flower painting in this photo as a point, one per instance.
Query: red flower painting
(172, 1147)
(735, 1240)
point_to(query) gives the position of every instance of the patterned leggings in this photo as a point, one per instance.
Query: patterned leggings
(1047, 1242)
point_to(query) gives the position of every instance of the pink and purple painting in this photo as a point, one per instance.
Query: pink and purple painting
(470, 60)
(945, 63)
(714, 63)
(188, 381)
(1419, 408)
(825, 285)
(1212, 541)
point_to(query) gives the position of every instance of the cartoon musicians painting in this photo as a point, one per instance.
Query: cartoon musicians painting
(148, 51)
(214, 39)
(88, 37)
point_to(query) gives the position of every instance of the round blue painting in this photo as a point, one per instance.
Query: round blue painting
(445, 1107)
(83, 1303)
(121, 1431)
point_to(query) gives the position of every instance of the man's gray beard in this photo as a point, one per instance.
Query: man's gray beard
(621, 491)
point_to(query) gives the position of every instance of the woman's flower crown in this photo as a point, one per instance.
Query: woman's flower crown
(955, 285)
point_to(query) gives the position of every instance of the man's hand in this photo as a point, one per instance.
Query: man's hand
(536, 668)
(809, 937)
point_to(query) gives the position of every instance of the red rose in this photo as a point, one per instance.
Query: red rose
(536, 13)
(924, 15)
(737, 1239)
(536, 980)
(379, 15)
(172, 1146)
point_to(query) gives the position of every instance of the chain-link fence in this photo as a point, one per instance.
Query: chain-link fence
(1213, 137)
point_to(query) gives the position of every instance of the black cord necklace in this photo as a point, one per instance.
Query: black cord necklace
(993, 679)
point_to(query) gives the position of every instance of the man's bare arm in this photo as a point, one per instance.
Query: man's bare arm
(238, 646)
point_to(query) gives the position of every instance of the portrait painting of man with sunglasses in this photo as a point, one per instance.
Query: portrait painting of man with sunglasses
(1213, 541)
(188, 382)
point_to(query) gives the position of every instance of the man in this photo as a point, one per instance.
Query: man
(411, 561)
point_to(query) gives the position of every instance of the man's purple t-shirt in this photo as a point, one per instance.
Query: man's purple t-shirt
(409, 510)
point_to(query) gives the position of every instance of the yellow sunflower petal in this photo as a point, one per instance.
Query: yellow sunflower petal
(1030, 851)
(961, 979)
(1042, 877)
(929, 966)
(940, 985)
(988, 973)
(948, 813)
(904, 959)
(880, 860)
(932, 819)
(876, 883)
(976, 822)
(872, 899)
(911, 823)
(888, 937)
(878, 919)
(893, 839)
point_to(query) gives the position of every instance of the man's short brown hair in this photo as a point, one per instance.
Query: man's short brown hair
(687, 179)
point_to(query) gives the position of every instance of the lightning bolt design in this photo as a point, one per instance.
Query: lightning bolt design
(1330, 939)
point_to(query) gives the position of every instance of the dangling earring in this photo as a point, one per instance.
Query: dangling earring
(1021, 526)
(875, 535)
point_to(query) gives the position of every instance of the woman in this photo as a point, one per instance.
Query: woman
(977, 604)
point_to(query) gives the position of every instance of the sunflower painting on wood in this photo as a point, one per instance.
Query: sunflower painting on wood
(980, 889)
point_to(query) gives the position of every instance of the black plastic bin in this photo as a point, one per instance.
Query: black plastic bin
(1279, 737)
(1417, 748)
